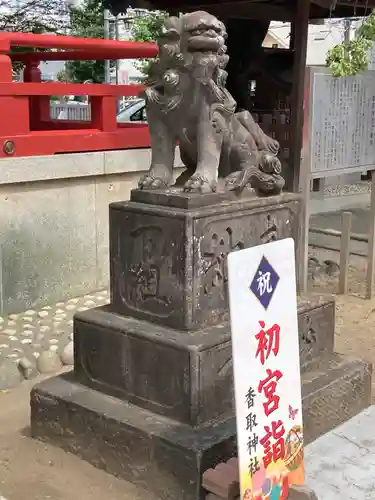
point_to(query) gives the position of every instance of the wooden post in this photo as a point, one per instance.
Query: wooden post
(371, 243)
(346, 227)
(303, 255)
(300, 27)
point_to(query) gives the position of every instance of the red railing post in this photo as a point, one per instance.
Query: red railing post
(103, 113)
(22, 102)
(14, 110)
(39, 105)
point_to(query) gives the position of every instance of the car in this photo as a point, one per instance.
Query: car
(133, 111)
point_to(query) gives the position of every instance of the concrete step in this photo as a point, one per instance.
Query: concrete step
(333, 392)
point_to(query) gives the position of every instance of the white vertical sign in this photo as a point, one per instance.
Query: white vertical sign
(263, 312)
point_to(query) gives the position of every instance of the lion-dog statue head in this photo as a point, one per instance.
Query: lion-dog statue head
(194, 45)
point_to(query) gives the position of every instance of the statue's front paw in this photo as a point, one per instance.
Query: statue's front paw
(199, 184)
(151, 182)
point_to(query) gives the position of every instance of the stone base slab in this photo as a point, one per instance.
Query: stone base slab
(187, 376)
(333, 393)
(166, 457)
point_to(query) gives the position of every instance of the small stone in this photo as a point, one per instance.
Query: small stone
(36, 355)
(71, 336)
(70, 322)
(26, 341)
(60, 304)
(27, 333)
(10, 376)
(43, 314)
(12, 355)
(27, 368)
(4, 346)
(67, 355)
(46, 308)
(48, 362)
(53, 348)
(1, 320)
(12, 323)
(13, 317)
(29, 313)
(72, 301)
(89, 303)
(58, 311)
(13, 338)
(60, 317)
(26, 318)
(53, 341)
(44, 328)
(17, 350)
(332, 269)
(70, 307)
(10, 331)
(89, 297)
(81, 309)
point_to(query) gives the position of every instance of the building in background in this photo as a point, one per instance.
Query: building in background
(321, 38)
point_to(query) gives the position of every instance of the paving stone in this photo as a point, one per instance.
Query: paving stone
(48, 362)
(28, 368)
(67, 355)
(27, 334)
(10, 331)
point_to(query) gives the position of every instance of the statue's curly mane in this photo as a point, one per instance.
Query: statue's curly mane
(207, 66)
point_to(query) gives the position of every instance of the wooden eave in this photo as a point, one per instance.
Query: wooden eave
(275, 10)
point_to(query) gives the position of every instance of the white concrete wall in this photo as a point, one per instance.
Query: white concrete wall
(54, 223)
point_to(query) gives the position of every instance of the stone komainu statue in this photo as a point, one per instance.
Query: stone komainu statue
(187, 103)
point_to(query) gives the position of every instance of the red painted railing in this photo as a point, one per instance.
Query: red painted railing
(26, 128)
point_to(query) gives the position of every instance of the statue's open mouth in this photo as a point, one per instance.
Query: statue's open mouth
(205, 42)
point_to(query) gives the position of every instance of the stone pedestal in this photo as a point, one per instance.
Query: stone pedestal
(151, 395)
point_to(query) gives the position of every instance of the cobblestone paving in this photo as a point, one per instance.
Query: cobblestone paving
(40, 340)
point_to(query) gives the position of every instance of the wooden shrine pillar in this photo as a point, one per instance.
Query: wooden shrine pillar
(298, 43)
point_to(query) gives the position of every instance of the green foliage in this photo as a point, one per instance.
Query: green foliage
(147, 29)
(350, 58)
(87, 21)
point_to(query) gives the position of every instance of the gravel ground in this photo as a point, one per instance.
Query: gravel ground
(40, 341)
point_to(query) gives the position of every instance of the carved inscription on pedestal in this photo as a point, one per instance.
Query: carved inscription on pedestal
(215, 250)
(147, 266)
(144, 274)
(216, 238)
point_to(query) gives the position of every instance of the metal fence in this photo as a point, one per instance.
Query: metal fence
(70, 111)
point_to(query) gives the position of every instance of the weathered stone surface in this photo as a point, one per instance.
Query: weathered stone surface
(163, 456)
(333, 393)
(316, 326)
(168, 265)
(301, 493)
(28, 368)
(48, 362)
(10, 376)
(67, 355)
(186, 376)
(167, 457)
(122, 356)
